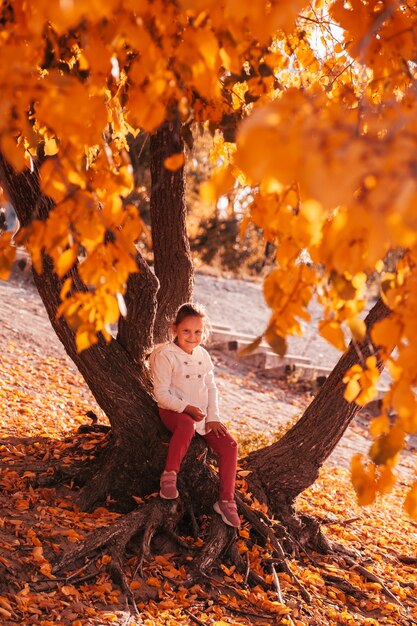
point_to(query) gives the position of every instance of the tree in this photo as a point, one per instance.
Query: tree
(158, 66)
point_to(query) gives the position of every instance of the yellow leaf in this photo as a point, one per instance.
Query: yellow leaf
(37, 554)
(66, 287)
(7, 255)
(387, 333)
(14, 152)
(361, 383)
(52, 180)
(135, 584)
(386, 480)
(363, 480)
(221, 182)
(45, 569)
(5, 603)
(379, 425)
(387, 446)
(66, 261)
(333, 333)
(84, 340)
(69, 590)
(51, 147)
(76, 179)
(5, 613)
(352, 390)
(174, 162)
(357, 328)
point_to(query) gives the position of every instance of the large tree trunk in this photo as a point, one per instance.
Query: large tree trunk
(173, 263)
(116, 371)
(283, 470)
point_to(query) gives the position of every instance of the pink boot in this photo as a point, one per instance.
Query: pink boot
(228, 511)
(168, 486)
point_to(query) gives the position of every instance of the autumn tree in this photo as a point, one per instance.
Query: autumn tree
(314, 111)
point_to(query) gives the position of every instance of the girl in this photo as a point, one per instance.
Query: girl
(187, 400)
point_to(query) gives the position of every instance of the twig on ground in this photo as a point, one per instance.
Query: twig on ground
(277, 585)
(407, 560)
(193, 618)
(373, 578)
(130, 616)
(279, 592)
(267, 532)
(224, 585)
(78, 571)
(245, 580)
(344, 585)
(336, 522)
(47, 585)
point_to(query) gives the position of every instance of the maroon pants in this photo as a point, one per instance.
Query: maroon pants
(182, 427)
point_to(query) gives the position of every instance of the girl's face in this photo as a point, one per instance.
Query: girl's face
(189, 333)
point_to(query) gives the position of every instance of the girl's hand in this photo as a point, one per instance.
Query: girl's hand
(217, 428)
(195, 412)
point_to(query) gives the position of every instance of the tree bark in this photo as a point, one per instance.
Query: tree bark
(283, 470)
(115, 371)
(172, 257)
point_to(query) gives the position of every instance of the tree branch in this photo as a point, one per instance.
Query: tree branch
(104, 365)
(135, 331)
(316, 434)
(172, 258)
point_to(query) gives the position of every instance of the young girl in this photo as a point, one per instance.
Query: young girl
(187, 400)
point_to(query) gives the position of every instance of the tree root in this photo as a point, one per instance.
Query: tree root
(155, 515)
(217, 543)
(267, 533)
(373, 578)
(136, 530)
(349, 589)
(153, 526)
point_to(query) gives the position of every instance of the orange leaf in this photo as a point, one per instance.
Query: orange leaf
(174, 162)
(66, 261)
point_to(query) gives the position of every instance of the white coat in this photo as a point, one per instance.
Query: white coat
(180, 379)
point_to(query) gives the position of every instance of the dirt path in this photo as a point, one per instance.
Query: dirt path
(249, 403)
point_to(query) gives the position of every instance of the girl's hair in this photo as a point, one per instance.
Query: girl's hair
(193, 310)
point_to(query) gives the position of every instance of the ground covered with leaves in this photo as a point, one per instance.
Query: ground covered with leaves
(44, 402)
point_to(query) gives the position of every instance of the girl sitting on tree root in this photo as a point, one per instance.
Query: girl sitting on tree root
(187, 399)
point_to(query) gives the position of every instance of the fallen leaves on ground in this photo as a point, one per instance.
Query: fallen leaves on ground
(43, 403)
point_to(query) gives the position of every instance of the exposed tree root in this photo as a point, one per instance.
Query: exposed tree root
(154, 527)
(136, 530)
(157, 514)
(370, 576)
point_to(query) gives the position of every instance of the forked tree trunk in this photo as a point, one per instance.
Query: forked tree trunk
(117, 372)
(283, 470)
(118, 377)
